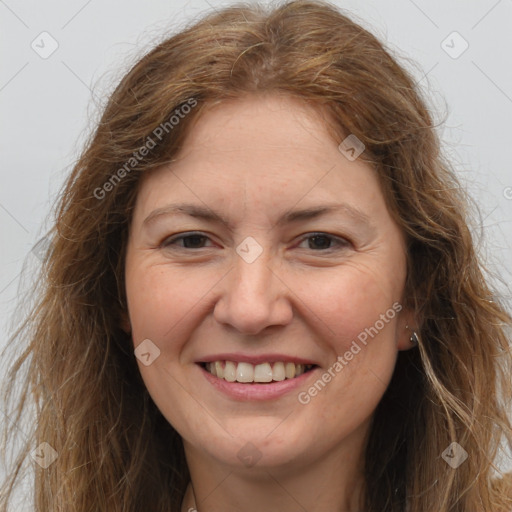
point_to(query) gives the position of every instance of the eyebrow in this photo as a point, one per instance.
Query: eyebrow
(204, 213)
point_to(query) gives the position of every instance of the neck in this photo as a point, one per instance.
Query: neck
(332, 482)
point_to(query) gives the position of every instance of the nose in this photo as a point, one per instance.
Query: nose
(253, 296)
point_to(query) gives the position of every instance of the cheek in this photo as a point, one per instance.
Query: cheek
(159, 299)
(351, 300)
(357, 308)
(163, 304)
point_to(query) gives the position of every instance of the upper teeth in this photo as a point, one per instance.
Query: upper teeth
(247, 372)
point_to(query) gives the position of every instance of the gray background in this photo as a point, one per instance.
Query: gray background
(48, 105)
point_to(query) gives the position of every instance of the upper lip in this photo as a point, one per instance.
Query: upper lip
(255, 358)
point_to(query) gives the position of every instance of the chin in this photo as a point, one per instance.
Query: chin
(259, 447)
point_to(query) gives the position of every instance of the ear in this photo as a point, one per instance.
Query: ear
(125, 324)
(407, 324)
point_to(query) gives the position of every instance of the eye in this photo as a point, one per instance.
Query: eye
(190, 240)
(319, 242)
(323, 241)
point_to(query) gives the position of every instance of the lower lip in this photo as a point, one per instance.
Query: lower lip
(244, 392)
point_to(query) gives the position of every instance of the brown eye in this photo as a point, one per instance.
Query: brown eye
(190, 241)
(325, 242)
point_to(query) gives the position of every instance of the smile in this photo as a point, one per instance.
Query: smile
(247, 373)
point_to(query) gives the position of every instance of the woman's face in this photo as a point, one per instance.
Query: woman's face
(308, 268)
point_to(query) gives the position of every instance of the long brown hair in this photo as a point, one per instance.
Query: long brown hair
(115, 450)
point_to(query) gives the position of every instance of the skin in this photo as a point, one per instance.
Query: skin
(251, 160)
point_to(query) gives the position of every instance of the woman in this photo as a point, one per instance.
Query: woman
(262, 292)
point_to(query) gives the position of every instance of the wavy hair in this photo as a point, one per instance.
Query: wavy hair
(78, 371)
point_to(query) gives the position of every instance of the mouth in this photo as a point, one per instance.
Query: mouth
(262, 373)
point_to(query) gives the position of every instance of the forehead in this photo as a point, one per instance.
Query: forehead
(259, 124)
(271, 152)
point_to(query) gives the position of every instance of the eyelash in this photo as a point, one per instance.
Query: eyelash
(340, 242)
